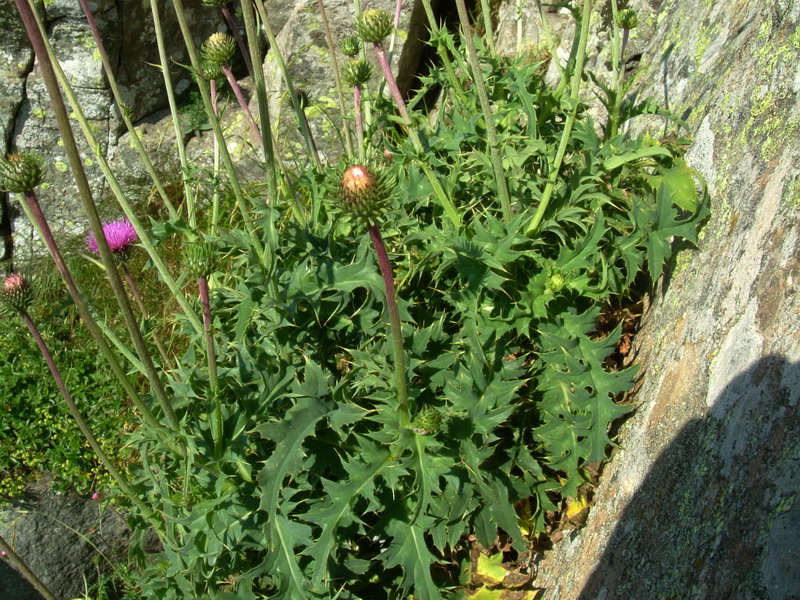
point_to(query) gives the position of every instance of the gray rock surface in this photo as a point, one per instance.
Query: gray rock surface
(700, 501)
(302, 43)
(26, 119)
(49, 531)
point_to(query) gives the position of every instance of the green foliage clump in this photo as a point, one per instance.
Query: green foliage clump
(38, 437)
(378, 365)
(323, 485)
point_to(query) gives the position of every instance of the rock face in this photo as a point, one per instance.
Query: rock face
(701, 499)
(26, 120)
(44, 519)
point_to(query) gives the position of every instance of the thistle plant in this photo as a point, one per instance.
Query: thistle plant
(226, 13)
(373, 27)
(315, 452)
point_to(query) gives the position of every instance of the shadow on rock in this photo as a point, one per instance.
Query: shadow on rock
(718, 516)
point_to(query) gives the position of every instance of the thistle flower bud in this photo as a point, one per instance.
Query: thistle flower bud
(350, 46)
(363, 193)
(199, 259)
(428, 421)
(357, 72)
(218, 48)
(16, 294)
(374, 25)
(21, 173)
(628, 19)
(557, 281)
(210, 69)
(302, 98)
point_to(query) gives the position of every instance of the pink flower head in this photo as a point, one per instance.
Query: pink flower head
(119, 236)
(96, 496)
(14, 283)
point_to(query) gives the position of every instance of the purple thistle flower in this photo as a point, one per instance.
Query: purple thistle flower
(119, 236)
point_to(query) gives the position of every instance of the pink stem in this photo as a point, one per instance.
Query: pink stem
(397, 10)
(213, 85)
(238, 92)
(359, 116)
(387, 73)
(202, 285)
(235, 31)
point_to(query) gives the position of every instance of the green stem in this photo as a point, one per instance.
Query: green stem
(486, 10)
(25, 571)
(275, 50)
(257, 62)
(226, 157)
(441, 48)
(124, 111)
(555, 166)
(394, 322)
(173, 105)
(486, 108)
(616, 85)
(348, 140)
(36, 36)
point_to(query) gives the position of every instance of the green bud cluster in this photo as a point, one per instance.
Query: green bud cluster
(357, 72)
(557, 281)
(350, 46)
(199, 259)
(218, 49)
(428, 421)
(21, 173)
(16, 294)
(210, 69)
(363, 192)
(374, 25)
(628, 19)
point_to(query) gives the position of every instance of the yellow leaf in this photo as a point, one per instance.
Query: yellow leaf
(576, 506)
(487, 594)
(490, 569)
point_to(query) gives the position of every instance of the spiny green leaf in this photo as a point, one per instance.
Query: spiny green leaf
(336, 510)
(410, 550)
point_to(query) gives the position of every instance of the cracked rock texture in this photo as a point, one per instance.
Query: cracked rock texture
(701, 499)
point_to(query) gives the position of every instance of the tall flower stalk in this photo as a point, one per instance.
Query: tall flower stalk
(199, 261)
(217, 52)
(364, 195)
(120, 235)
(575, 86)
(226, 14)
(25, 570)
(486, 108)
